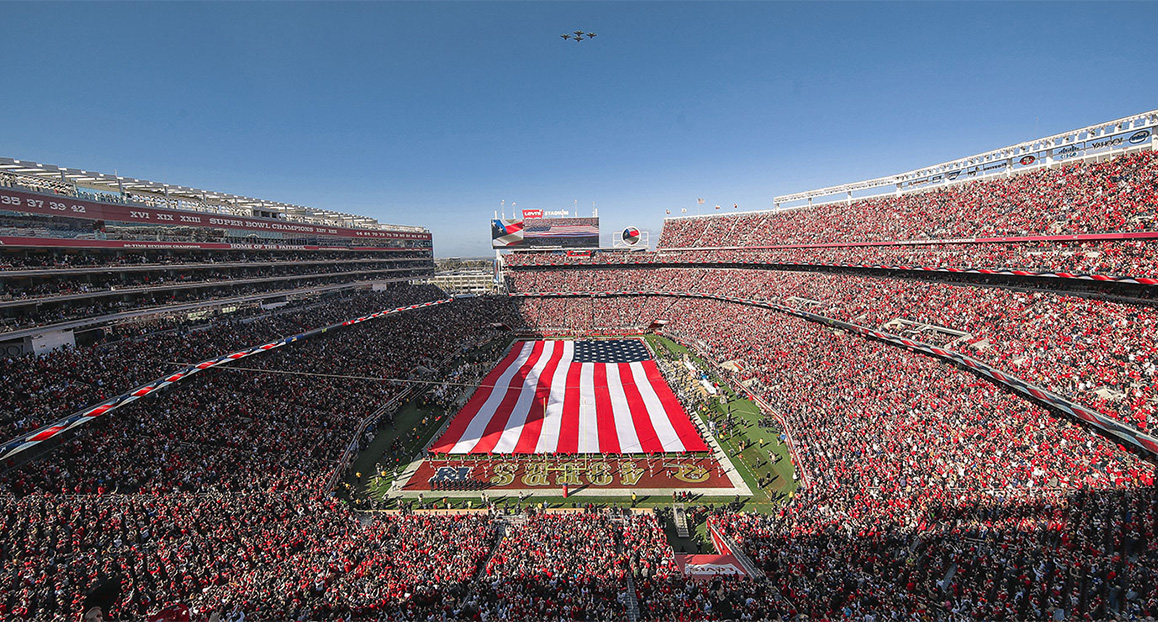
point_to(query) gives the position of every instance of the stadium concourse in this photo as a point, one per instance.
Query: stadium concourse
(930, 487)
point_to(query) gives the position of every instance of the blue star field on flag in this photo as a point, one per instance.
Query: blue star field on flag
(611, 351)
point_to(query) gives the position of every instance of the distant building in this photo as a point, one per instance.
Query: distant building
(471, 281)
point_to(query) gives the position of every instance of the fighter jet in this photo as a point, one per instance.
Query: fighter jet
(578, 35)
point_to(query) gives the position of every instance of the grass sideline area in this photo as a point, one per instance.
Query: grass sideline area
(750, 446)
(759, 444)
(414, 425)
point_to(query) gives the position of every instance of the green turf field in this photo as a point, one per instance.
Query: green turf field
(763, 454)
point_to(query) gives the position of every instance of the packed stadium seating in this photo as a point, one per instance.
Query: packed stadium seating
(958, 435)
(980, 527)
(269, 556)
(1121, 259)
(1074, 346)
(929, 493)
(1117, 195)
(937, 228)
(894, 445)
(48, 386)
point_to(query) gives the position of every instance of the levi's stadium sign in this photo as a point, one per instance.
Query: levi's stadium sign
(538, 213)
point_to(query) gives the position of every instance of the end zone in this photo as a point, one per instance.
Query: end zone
(612, 476)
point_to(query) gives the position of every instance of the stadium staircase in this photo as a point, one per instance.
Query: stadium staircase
(629, 598)
(632, 603)
(503, 526)
(680, 516)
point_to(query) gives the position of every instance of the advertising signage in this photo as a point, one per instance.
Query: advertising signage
(1059, 155)
(62, 205)
(1102, 145)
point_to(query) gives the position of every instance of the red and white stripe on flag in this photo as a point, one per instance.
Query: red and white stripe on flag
(537, 400)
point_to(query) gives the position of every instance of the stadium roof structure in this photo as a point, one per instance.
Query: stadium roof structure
(1042, 151)
(206, 198)
(1101, 140)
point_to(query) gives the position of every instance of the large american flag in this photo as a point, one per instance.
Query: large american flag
(585, 397)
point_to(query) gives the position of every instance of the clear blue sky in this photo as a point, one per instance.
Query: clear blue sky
(431, 113)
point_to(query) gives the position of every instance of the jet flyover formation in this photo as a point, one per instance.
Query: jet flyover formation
(578, 35)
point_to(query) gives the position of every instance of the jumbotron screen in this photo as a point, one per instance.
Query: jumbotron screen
(546, 232)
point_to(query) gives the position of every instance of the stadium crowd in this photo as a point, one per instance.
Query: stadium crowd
(224, 446)
(1121, 259)
(41, 388)
(271, 402)
(935, 228)
(1097, 352)
(1118, 195)
(966, 488)
(931, 494)
(284, 556)
(557, 568)
(936, 494)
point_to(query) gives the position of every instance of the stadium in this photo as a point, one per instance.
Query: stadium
(721, 428)
(305, 396)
